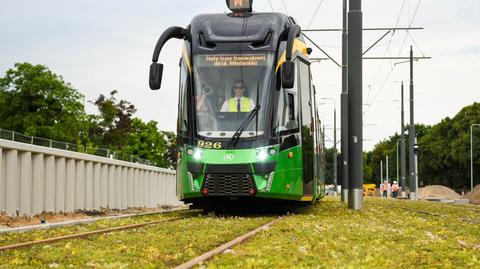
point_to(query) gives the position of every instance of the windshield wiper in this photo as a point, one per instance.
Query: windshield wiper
(236, 137)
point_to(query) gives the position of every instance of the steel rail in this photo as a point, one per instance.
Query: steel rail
(51, 225)
(440, 215)
(218, 250)
(80, 235)
(464, 206)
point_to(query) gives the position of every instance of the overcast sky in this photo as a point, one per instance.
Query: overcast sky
(100, 46)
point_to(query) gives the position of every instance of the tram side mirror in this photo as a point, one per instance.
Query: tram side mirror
(155, 80)
(288, 74)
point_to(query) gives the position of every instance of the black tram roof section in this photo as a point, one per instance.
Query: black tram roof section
(252, 32)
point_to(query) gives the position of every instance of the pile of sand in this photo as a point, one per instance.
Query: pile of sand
(438, 191)
(474, 195)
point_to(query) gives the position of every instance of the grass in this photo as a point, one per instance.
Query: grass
(326, 235)
(384, 235)
(158, 246)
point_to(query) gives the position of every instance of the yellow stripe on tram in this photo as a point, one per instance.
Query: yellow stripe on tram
(298, 45)
(187, 59)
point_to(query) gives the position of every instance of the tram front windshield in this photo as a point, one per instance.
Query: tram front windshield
(227, 89)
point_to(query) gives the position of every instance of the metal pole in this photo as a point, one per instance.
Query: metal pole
(416, 170)
(386, 168)
(471, 154)
(355, 100)
(411, 135)
(335, 184)
(344, 106)
(381, 171)
(344, 145)
(397, 160)
(403, 157)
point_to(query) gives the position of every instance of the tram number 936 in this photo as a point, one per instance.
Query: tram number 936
(209, 145)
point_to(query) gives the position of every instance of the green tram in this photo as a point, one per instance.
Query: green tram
(248, 130)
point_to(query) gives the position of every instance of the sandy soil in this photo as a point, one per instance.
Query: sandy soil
(9, 221)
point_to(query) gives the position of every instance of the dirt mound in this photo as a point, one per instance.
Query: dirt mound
(474, 195)
(438, 191)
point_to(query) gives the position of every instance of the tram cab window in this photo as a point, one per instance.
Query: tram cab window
(182, 99)
(227, 88)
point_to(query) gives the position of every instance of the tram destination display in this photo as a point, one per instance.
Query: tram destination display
(233, 60)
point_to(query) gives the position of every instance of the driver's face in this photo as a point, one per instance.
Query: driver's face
(238, 88)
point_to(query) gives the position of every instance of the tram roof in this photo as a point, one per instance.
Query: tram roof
(225, 32)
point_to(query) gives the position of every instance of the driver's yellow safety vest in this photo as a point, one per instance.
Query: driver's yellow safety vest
(244, 105)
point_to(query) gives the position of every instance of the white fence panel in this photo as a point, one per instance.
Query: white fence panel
(35, 179)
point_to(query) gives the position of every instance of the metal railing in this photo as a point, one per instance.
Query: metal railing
(49, 143)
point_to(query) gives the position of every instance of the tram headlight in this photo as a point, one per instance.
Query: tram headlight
(197, 155)
(190, 151)
(262, 155)
(272, 151)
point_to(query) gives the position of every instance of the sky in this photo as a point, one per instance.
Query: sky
(100, 46)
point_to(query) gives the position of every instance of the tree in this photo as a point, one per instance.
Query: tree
(37, 102)
(147, 142)
(444, 151)
(384, 148)
(114, 124)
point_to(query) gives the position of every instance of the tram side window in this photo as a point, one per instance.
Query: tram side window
(287, 112)
(182, 99)
(305, 95)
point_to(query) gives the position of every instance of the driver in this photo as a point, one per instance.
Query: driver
(238, 102)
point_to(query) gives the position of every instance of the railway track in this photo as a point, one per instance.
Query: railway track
(220, 249)
(436, 214)
(466, 207)
(193, 262)
(86, 234)
(467, 220)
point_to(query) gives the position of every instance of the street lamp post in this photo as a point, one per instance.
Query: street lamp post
(398, 140)
(471, 154)
(403, 158)
(411, 137)
(386, 169)
(335, 171)
(381, 172)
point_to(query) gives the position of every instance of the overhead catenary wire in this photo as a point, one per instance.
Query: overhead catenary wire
(415, 43)
(285, 7)
(397, 21)
(411, 22)
(399, 53)
(271, 6)
(315, 14)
